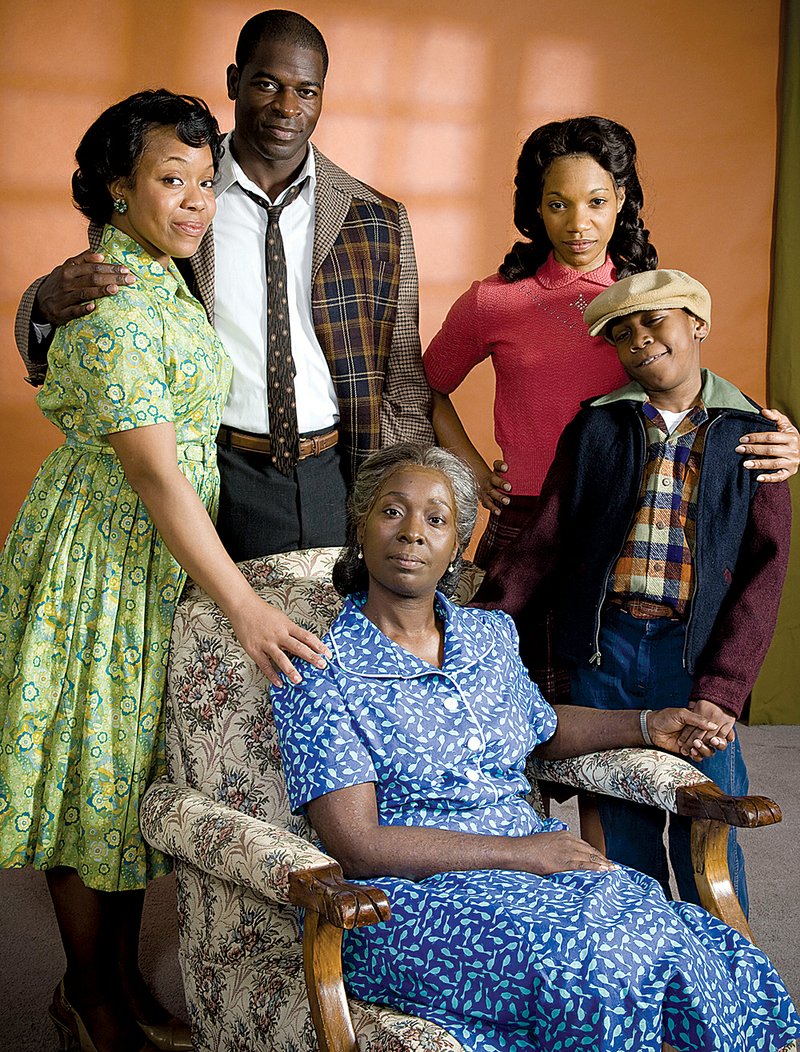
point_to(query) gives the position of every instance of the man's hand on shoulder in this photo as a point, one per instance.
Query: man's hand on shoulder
(70, 290)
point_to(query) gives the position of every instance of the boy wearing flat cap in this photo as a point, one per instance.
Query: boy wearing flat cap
(661, 556)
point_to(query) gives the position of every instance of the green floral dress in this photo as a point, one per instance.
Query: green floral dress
(88, 589)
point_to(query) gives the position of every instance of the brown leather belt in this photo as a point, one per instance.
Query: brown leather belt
(644, 609)
(309, 447)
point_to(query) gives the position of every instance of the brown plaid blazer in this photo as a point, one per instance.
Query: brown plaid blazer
(364, 301)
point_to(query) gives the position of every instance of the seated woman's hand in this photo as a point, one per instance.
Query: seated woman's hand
(686, 732)
(559, 852)
(268, 635)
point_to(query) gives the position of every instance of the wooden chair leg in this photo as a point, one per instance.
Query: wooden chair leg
(322, 961)
(591, 826)
(712, 876)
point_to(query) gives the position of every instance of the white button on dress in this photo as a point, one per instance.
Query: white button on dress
(474, 743)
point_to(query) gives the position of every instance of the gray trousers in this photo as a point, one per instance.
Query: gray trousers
(262, 512)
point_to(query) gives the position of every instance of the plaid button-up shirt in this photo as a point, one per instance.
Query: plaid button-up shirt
(656, 562)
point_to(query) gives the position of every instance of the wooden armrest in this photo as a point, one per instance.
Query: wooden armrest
(707, 800)
(325, 891)
(713, 813)
(333, 905)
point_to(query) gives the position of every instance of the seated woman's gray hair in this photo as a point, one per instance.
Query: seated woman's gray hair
(349, 573)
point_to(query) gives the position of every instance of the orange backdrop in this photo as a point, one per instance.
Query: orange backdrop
(430, 103)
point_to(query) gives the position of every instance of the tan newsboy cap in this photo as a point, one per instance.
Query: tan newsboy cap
(651, 290)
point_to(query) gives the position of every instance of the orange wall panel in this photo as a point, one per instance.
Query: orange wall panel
(429, 102)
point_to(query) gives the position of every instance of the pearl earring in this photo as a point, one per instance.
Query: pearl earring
(359, 553)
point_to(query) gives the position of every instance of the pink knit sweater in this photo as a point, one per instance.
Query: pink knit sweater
(544, 360)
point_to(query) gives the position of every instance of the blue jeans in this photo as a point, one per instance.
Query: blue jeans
(642, 669)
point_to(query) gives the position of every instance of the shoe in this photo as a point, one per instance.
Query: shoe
(172, 1036)
(72, 1033)
(63, 1017)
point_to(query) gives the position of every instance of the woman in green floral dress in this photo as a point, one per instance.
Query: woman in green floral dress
(95, 562)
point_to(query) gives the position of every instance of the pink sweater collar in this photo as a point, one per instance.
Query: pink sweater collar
(554, 275)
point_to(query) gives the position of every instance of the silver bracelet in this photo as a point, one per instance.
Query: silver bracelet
(643, 726)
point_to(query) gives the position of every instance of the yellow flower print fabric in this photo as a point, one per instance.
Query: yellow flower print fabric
(87, 588)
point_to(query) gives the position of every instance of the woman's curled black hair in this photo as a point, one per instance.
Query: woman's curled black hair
(112, 146)
(612, 146)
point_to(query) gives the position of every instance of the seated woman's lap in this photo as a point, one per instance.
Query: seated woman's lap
(513, 954)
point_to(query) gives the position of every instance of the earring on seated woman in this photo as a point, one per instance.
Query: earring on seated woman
(120, 205)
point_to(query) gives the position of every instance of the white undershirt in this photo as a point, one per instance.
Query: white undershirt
(240, 301)
(673, 419)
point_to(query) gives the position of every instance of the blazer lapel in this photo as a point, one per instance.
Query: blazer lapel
(331, 204)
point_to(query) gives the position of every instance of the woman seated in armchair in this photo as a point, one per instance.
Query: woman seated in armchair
(408, 754)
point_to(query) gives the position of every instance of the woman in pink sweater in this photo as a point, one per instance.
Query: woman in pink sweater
(577, 204)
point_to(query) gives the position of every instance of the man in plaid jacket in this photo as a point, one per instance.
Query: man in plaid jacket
(353, 301)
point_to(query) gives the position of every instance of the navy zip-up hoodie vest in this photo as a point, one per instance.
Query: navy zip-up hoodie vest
(607, 446)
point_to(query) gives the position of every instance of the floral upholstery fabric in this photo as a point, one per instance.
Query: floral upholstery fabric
(225, 817)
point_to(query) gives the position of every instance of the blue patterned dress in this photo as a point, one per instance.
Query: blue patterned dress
(506, 961)
(87, 587)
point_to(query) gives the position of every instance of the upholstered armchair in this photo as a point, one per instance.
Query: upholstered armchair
(261, 909)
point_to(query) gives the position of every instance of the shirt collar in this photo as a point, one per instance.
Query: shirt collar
(554, 275)
(139, 262)
(360, 648)
(715, 393)
(230, 172)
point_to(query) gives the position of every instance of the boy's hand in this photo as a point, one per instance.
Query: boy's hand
(669, 727)
(778, 452)
(724, 721)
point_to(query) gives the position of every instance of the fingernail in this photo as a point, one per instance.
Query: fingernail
(295, 678)
(740, 449)
(749, 463)
(506, 486)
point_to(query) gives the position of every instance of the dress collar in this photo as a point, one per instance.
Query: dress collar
(360, 648)
(139, 262)
(554, 275)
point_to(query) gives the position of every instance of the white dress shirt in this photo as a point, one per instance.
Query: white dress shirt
(240, 301)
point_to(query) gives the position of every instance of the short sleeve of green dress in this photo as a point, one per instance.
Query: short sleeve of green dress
(107, 370)
(88, 588)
